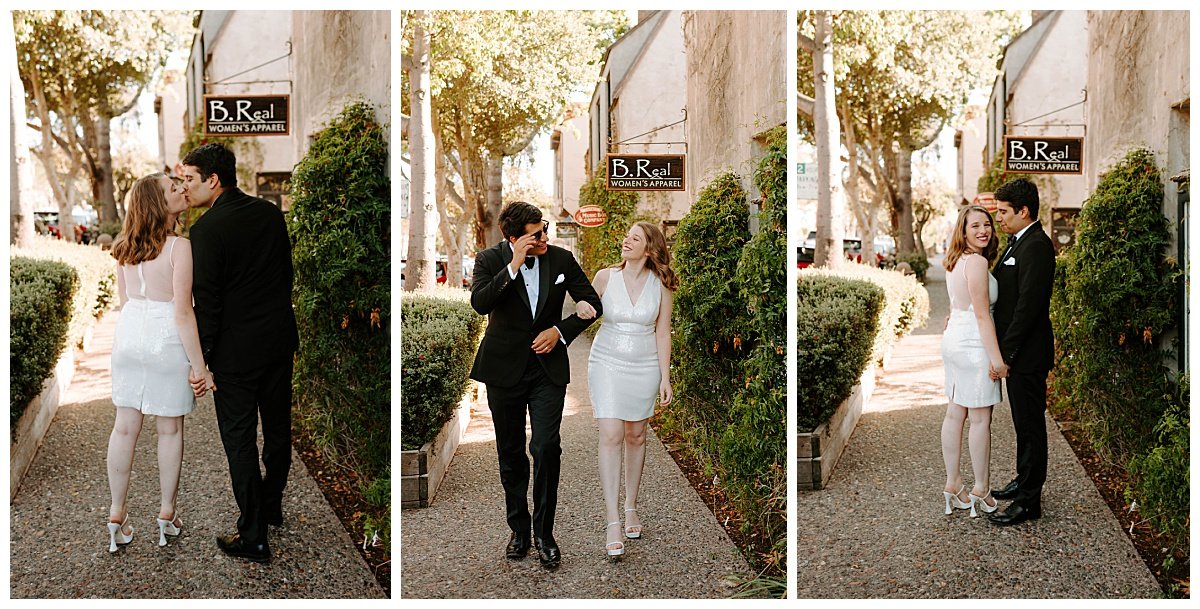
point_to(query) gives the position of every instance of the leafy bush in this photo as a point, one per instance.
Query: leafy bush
(754, 445)
(1113, 303)
(1161, 477)
(112, 229)
(600, 247)
(728, 347)
(906, 302)
(338, 224)
(96, 270)
(441, 333)
(917, 262)
(41, 295)
(836, 320)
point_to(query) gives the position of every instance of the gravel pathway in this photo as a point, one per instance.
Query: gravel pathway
(59, 545)
(455, 547)
(878, 529)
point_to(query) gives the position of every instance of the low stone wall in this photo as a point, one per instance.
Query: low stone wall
(422, 470)
(820, 450)
(32, 426)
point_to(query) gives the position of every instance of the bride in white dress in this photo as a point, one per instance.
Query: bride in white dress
(629, 367)
(155, 346)
(971, 356)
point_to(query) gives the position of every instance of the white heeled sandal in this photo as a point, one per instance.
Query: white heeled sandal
(632, 531)
(953, 500)
(117, 536)
(983, 504)
(167, 527)
(613, 548)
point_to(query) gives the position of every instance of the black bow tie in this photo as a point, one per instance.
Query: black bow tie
(529, 260)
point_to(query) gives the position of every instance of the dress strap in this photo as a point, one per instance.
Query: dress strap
(170, 250)
(141, 282)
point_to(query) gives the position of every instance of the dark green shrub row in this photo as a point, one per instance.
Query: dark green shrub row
(836, 321)
(41, 294)
(96, 270)
(441, 334)
(728, 347)
(1113, 304)
(905, 305)
(341, 250)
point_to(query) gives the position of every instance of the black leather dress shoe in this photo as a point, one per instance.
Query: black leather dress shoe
(234, 545)
(548, 552)
(1006, 493)
(518, 546)
(1015, 514)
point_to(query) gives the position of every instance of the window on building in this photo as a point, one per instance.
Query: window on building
(274, 187)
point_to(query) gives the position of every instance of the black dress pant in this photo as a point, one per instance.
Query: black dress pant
(242, 398)
(543, 400)
(1027, 399)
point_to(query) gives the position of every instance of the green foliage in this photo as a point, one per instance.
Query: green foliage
(994, 177)
(97, 280)
(41, 295)
(1161, 477)
(1113, 302)
(906, 302)
(754, 445)
(341, 248)
(836, 321)
(917, 262)
(111, 229)
(441, 333)
(600, 247)
(729, 342)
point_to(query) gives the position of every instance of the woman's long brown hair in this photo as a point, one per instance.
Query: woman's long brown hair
(659, 259)
(958, 242)
(146, 227)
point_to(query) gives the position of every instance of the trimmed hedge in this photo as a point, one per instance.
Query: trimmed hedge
(836, 322)
(906, 302)
(96, 271)
(341, 252)
(441, 333)
(40, 303)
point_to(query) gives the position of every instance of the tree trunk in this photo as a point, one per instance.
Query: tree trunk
(60, 185)
(21, 206)
(905, 239)
(419, 272)
(830, 203)
(495, 197)
(865, 214)
(105, 189)
(451, 231)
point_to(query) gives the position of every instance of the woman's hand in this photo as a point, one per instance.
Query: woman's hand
(998, 372)
(585, 310)
(664, 392)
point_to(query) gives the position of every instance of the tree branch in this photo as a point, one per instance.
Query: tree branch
(804, 42)
(805, 104)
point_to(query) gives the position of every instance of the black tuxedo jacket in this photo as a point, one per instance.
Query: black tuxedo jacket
(1022, 311)
(242, 283)
(506, 346)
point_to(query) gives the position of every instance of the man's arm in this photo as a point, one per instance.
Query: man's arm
(208, 261)
(488, 282)
(1035, 279)
(580, 289)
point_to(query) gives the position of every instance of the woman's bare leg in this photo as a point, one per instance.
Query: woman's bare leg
(170, 461)
(121, 442)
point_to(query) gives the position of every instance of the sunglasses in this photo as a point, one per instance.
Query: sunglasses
(545, 232)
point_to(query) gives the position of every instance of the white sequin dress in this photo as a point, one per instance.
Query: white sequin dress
(149, 366)
(623, 373)
(963, 355)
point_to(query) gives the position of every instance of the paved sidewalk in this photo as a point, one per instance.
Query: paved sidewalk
(878, 529)
(455, 547)
(59, 545)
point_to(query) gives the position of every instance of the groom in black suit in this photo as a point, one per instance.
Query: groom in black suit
(242, 285)
(521, 284)
(1025, 277)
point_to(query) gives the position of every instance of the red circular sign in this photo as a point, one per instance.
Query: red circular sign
(591, 216)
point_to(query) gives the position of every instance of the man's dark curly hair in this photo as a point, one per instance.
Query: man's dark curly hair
(214, 158)
(515, 216)
(1019, 193)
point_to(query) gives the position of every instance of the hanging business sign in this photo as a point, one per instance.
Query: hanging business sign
(246, 115)
(1039, 154)
(661, 172)
(591, 216)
